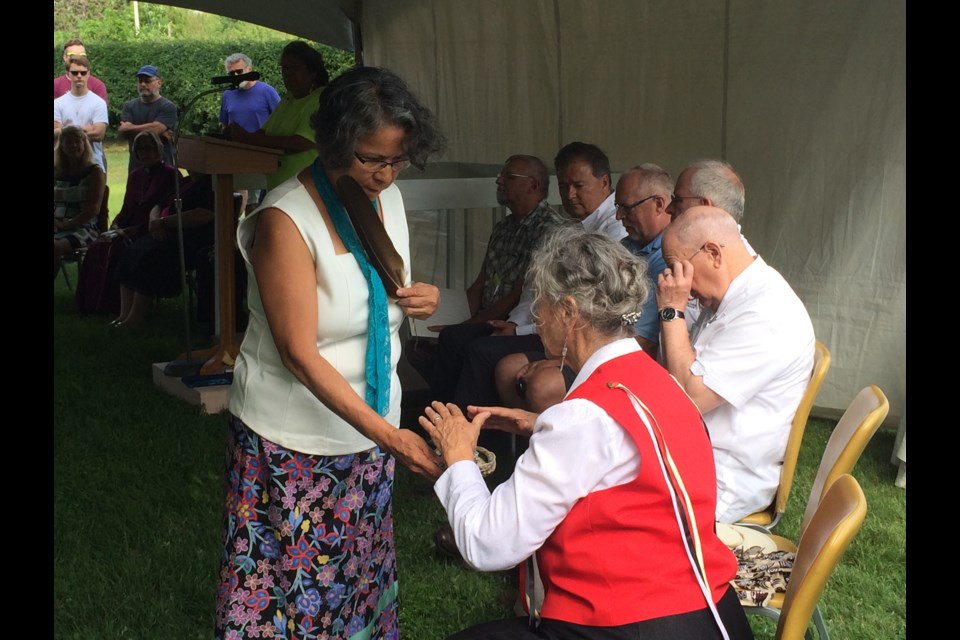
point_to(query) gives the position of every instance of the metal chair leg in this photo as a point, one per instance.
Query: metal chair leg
(63, 270)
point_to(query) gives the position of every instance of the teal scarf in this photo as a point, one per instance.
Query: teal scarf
(378, 323)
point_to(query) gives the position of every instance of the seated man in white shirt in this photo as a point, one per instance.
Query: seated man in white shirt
(709, 183)
(583, 178)
(527, 380)
(750, 364)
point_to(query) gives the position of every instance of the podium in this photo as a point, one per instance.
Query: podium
(222, 159)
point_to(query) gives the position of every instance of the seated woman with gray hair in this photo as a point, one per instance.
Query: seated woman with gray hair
(610, 511)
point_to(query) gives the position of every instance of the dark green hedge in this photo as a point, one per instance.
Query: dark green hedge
(186, 67)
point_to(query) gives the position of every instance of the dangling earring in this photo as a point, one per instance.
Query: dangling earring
(563, 353)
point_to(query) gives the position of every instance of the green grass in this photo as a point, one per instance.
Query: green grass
(138, 500)
(117, 158)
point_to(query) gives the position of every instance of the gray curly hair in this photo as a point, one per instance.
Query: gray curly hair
(608, 283)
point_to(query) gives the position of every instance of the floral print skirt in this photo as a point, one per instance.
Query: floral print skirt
(308, 549)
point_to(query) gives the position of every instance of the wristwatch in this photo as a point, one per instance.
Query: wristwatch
(668, 314)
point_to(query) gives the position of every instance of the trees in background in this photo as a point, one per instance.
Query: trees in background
(113, 20)
(188, 46)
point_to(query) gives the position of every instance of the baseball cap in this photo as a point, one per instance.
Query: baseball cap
(148, 70)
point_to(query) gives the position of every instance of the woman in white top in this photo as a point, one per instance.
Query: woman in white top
(308, 531)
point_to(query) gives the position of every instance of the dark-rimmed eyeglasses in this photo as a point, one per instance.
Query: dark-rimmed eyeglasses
(78, 72)
(236, 72)
(675, 198)
(373, 165)
(627, 208)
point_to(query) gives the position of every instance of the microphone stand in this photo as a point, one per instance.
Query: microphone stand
(189, 365)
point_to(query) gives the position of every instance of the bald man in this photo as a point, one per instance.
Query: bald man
(748, 367)
(522, 187)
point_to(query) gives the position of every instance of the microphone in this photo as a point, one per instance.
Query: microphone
(235, 80)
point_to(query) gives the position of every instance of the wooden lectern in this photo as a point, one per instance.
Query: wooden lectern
(222, 159)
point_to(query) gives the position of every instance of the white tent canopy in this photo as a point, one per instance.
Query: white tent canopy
(805, 98)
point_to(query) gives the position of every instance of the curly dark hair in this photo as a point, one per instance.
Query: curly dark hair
(311, 58)
(361, 101)
(589, 153)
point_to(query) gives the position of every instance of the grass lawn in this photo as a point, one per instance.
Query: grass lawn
(117, 158)
(138, 501)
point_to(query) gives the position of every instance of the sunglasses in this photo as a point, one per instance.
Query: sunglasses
(78, 72)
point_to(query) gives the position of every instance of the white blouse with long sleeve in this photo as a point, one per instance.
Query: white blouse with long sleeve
(575, 449)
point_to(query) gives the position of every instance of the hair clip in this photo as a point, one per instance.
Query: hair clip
(630, 318)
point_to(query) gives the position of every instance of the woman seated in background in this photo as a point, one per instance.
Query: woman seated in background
(288, 127)
(78, 188)
(612, 506)
(148, 185)
(150, 267)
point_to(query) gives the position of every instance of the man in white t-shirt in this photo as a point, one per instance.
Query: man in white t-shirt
(749, 366)
(709, 183)
(82, 108)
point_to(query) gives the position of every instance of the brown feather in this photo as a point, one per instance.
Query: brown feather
(373, 236)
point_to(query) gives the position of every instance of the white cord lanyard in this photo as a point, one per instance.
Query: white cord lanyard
(695, 556)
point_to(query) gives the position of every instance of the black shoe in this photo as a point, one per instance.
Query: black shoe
(447, 544)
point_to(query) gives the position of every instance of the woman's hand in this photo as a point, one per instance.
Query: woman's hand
(157, 230)
(515, 421)
(451, 432)
(419, 300)
(415, 454)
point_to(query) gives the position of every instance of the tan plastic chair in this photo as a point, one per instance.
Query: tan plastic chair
(846, 444)
(770, 516)
(832, 528)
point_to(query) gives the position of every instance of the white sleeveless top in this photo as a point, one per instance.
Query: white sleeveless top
(265, 395)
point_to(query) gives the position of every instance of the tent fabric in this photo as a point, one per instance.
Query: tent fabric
(326, 21)
(805, 99)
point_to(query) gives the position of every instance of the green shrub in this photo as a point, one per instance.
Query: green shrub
(186, 67)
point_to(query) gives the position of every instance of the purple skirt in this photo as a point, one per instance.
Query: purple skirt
(308, 547)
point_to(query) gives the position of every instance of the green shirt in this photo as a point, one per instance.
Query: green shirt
(292, 118)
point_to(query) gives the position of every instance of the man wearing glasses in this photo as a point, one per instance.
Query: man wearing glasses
(82, 108)
(748, 367)
(583, 178)
(524, 379)
(522, 188)
(248, 107)
(149, 112)
(251, 103)
(709, 183)
(62, 84)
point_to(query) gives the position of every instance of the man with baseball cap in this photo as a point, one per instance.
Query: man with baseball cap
(149, 112)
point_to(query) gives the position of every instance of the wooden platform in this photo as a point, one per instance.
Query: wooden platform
(209, 399)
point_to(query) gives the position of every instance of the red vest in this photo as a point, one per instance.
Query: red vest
(618, 556)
